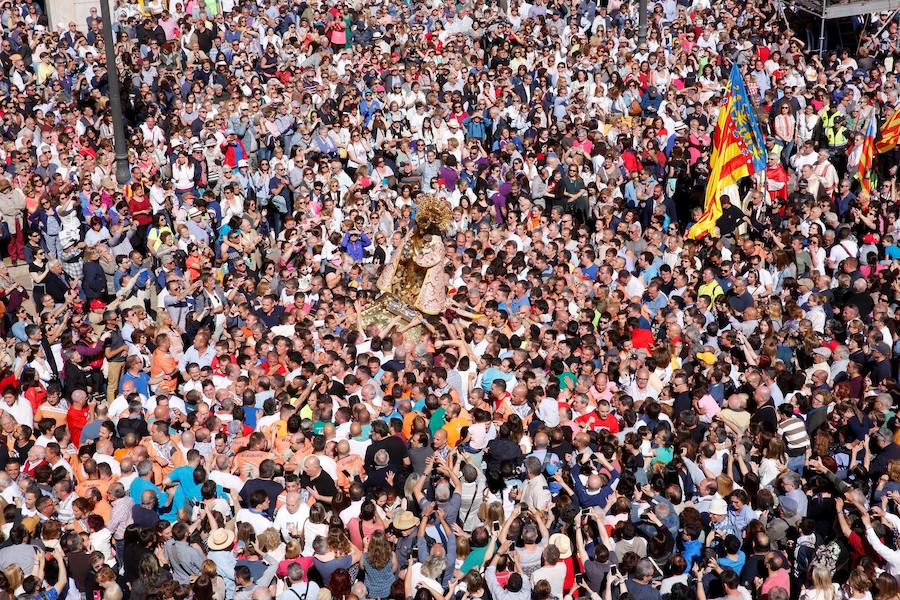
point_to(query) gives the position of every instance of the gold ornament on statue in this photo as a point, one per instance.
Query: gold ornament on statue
(413, 281)
(433, 213)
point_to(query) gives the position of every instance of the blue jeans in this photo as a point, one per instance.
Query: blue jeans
(786, 151)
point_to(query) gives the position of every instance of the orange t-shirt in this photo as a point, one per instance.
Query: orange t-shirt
(454, 428)
(163, 362)
(408, 424)
(247, 458)
(102, 486)
(352, 464)
(48, 411)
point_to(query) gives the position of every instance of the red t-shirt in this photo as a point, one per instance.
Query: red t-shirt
(592, 420)
(610, 422)
(137, 204)
(76, 419)
(641, 338)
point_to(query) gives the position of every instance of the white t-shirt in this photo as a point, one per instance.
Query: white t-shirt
(259, 521)
(288, 523)
(555, 576)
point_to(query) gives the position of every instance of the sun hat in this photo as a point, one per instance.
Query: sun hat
(220, 539)
(563, 544)
(405, 520)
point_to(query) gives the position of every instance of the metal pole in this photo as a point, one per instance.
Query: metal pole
(123, 171)
(822, 30)
(642, 22)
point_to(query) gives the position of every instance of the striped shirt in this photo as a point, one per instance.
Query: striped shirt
(794, 432)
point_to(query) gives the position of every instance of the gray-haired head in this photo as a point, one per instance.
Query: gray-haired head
(145, 468)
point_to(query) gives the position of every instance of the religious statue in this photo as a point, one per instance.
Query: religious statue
(413, 282)
(415, 275)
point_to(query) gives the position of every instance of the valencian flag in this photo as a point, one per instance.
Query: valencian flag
(867, 155)
(738, 151)
(890, 133)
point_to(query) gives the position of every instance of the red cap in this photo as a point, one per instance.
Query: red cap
(870, 238)
(97, 304)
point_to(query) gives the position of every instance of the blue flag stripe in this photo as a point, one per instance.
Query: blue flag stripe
(745, 120)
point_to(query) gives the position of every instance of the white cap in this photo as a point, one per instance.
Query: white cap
(718, 506)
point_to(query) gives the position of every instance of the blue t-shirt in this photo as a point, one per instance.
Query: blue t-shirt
(735, 564)
(187, 491)
(139, 486)
(141, 383)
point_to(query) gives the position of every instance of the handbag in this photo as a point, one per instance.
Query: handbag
(635, 109)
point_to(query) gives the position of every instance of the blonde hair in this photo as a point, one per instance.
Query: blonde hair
(490, 513)
(821, 579)
(209, 569)
(463, 548)
(292, 549)
(14, 576)
(725, 485)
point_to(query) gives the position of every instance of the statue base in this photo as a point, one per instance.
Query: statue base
(387, 306)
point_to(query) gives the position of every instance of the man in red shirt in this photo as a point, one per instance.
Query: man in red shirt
(607, 420)
(599, 418)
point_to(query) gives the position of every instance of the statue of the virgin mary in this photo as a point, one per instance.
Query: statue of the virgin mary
(415, 274)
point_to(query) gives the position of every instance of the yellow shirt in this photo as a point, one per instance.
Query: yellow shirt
(711, 289)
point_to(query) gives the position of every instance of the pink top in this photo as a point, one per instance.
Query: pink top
(779, 578)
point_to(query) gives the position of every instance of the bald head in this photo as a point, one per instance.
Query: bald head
(292, 502)
(343, 448)
(312, 467)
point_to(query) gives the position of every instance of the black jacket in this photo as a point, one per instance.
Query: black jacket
(94, 283)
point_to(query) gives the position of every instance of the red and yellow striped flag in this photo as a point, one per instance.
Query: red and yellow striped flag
(730, 161)
(867, 157)
(890, 133)
(738, 151)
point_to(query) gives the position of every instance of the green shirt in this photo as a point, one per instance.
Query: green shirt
(437, 420)
(473, 560)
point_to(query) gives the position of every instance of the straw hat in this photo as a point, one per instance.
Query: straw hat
(220, 539)
(563, 544)
(405, 520)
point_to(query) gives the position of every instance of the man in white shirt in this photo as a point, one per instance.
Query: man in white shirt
(290, 518)
(222, 477)
(553, 571)
(104, 455)
(843, 248)
(18, 407)
(640, 390)
(357, 496)
(806, 156)
(256, 514)
(119, 405)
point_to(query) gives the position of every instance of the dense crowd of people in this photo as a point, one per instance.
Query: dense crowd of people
(197, 402)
